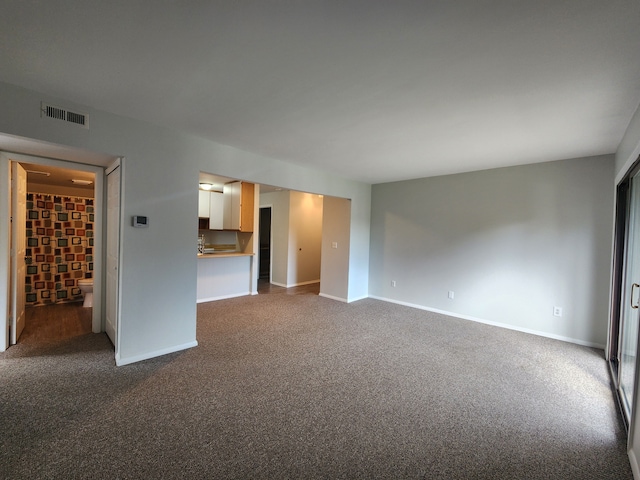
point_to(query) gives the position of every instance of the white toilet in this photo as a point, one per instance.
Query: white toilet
(86, 287)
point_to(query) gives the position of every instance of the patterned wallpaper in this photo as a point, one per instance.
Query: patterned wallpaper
(59, 247)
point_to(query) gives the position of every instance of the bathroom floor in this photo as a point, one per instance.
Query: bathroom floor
(55, 322)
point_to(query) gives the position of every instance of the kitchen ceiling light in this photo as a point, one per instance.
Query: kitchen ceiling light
(206, 186)
(78, 181)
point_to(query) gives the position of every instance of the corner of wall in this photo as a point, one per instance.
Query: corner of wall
(629, 148)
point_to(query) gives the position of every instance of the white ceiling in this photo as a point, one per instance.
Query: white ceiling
(372, 90)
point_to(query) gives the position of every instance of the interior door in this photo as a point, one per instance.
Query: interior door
(113, 248)
(18, 249)
(630, 300)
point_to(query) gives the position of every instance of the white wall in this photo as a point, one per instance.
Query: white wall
(158, 301)
(511, 243)
(305, 238)
(337, 249)
(629, 148)
(358, 216)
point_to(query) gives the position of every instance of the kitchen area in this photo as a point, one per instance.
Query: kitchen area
(227, 246)
(231, 221)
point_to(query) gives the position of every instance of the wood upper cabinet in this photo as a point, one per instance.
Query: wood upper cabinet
(238, 206)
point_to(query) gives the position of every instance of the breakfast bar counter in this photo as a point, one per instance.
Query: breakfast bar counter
(224, 254)
(223, 275)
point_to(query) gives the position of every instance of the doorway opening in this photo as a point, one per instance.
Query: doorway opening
(56, 224)
(291, 236)
(265, 244)
(60, 241)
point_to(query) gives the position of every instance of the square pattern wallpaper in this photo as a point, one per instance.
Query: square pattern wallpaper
(59, 247)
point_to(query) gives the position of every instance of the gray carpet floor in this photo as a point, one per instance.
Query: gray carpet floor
(305, 387)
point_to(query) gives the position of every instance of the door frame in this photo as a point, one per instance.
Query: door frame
(619, 258)
(117, 164)
(97, 320)
(18, 251)
(5, 250)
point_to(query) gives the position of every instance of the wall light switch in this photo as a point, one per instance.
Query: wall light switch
(334, 244)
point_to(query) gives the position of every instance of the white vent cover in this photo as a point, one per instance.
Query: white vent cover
(51, 111)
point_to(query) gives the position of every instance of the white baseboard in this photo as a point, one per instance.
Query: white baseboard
(157, 353)
(223, 297)
(339, 299)
(492, 323)
(357, 298)
(634, 464)
(295, 284)
(305, 283)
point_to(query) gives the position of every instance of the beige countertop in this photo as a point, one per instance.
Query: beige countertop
(224, 254)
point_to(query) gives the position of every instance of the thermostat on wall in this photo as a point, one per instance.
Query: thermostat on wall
(140, 221)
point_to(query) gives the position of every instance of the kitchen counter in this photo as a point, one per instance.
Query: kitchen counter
(224, 254)
(224, 275)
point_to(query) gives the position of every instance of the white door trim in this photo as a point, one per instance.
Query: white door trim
(118, 163)
(5, 250)
(18, 250)
(98, 304)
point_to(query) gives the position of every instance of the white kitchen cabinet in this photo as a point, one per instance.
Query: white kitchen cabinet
(216, 211)
(203, 203)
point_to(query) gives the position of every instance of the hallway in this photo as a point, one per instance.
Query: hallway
(265, 287)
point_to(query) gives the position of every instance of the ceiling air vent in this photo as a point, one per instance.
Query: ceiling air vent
(58, 113)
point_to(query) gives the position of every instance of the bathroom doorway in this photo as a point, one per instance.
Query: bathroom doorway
(58, 212)
(61, 269)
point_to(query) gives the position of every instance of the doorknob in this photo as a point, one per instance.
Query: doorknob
(632, 287)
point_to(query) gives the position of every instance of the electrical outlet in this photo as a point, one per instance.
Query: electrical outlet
(557, 311)
(393, 283)
(451, 295)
